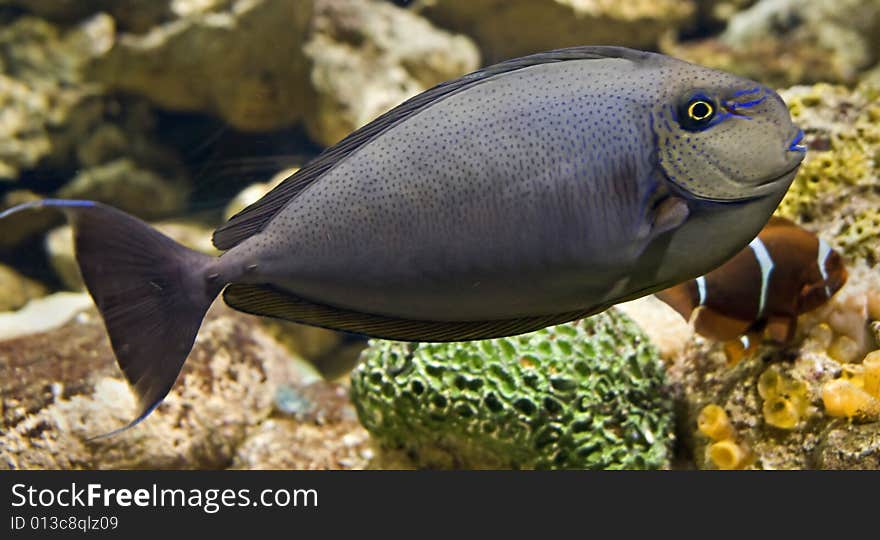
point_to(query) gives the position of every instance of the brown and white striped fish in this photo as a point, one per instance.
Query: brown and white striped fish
(783, 272)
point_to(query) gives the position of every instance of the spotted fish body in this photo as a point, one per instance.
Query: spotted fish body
(784, 272)
(536, 191)
(493, 201)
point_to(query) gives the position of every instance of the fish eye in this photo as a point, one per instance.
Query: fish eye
(700, 110)
(697, 112)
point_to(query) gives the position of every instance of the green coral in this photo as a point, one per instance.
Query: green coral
(837, 190)
(588, 394)
(843, 134)
(857, 236)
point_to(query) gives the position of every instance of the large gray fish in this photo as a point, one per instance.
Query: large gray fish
(532, 192)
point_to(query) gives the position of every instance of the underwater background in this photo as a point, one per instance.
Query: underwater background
(182, 112)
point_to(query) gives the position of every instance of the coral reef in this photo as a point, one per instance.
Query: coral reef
(368, 56)
(97, 98)
(785, 399)
(132, 15)
(853, 41)
(509, 28)
(62, 386)
(317, 428)
(788, 42)
(856, 393)
(714, 423)
(41, 315)
(811, 404)
(840, 172)
(782, 403)
(723, 451)
(41, 89)
(242, 61)
(16, 290)
(583, 395)
(849, 447)
(55, 122)
(263, 65)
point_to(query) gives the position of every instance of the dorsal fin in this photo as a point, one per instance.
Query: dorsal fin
(254, 218)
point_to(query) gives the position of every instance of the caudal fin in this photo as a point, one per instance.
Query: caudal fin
(150, 290)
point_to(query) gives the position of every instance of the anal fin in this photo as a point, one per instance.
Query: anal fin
(272, 302)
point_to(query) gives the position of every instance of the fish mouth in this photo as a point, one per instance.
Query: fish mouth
(779, 177)
(796, 143)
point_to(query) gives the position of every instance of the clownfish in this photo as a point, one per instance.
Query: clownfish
(759, 293)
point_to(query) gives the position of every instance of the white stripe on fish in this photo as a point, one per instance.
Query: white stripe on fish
(765, 261)
(822, 259)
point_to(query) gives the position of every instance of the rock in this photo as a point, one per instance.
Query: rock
(589, 394)
(848, 29)
(850, 447)
(368, 56)
(16, 290)
(769, 61)
(871, 78)
(40, 87)
(60, 250)
(317, 429)
(668, 331)
(123, 184)
(61, 387)
(712, 12)
(508, 28)
(132, 15)
(284, 444)
(262, 65)
(25, 225)
(255, 192)
(786, 42)
(43, 314)
(55, 121)
(241, 61)
(789, 435)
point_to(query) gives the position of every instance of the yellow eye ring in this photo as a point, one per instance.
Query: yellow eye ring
(700, 110)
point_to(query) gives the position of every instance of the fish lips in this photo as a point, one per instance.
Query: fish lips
(794, 154)
(797, 144)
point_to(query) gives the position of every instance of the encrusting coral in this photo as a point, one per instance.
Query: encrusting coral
(856, 393)
(588, 394)
(724, 452)
(785, 399)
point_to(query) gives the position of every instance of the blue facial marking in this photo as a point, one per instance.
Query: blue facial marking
(746, 92)
(746, 104)
(796, 145)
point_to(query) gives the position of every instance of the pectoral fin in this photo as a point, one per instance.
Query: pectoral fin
(669, 214)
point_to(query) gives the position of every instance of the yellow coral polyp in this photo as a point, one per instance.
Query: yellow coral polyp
(843, 398)
(781, 412)
(853, 374)
(714, 423)
(727, 455)
(844, 349)
(769, 383)
(871, 373)
(785, 399)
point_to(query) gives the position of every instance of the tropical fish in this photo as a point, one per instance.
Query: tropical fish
(759, 293)
(536, 191)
